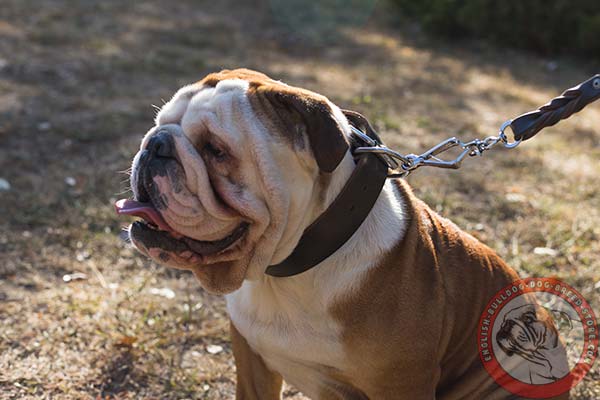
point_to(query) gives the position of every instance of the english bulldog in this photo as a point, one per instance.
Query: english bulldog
(236, 170)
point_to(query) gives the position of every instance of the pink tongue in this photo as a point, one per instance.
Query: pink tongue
(142, 210)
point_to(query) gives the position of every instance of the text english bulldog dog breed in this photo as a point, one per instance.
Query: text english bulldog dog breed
(239, 180)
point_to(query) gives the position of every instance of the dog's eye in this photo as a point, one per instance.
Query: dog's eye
(214, 151)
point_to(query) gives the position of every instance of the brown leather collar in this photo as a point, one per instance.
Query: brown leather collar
(344, 216)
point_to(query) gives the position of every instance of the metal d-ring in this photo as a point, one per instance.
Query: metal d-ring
(503, 137)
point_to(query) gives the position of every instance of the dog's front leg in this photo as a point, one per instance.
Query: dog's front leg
(254, 380)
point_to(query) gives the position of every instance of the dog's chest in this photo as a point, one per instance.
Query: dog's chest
(294, 335)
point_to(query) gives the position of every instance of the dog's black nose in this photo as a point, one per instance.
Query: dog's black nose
(161, 145)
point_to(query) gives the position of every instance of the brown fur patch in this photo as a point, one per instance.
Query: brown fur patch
(293, 112)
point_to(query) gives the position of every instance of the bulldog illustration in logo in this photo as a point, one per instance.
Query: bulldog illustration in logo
(529, 337)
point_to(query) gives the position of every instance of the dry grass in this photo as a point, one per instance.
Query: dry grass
(77, 80)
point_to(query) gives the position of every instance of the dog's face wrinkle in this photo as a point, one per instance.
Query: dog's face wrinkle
(217, 192)
(218, 168)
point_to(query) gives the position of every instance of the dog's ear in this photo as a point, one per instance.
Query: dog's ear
(297, 111)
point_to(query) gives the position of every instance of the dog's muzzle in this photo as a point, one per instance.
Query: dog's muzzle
(159, 159)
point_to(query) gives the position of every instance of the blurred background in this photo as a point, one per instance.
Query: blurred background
(84, 316)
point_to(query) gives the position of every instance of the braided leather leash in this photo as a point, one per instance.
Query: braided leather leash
(562, 107)
(524, 127)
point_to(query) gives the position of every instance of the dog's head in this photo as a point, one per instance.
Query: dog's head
(235, 168)
(526, 330)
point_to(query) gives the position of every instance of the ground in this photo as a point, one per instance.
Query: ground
(84, 316)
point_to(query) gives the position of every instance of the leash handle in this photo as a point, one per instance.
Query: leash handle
(562, 107)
